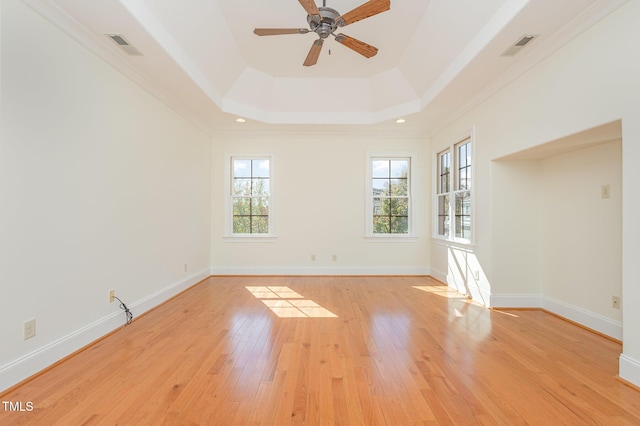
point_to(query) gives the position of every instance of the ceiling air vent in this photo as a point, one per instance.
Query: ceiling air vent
(124, 44)
(519, 45)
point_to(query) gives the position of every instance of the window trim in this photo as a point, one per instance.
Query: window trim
(369, 235)
(228, 203)
(453, 189)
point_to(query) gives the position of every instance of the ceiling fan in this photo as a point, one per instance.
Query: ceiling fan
(324, 21)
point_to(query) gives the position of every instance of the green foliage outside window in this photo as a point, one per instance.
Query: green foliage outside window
(250, 195)
(390, 185)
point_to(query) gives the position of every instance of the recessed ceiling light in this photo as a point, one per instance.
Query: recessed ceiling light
(400, 120)
(240, 120)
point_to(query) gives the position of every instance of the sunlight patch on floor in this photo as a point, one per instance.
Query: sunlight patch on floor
(273, 292)
(286, 303)
(440, 290)
(509, 314)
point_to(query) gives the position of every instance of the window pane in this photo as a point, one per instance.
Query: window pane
(464, 154)
(241, 187)
(464, 166)
(260, 206)
(241, 224)
(260, 186)
(444, 183)
(463, 204)
(259, 225)
(443, 215)
(241, 206)
(399, 207)
(463, 215)
(260, 168)
(380, 168)
(380, 186)
(399, 168)
(443, 205)
(399, 225)
(381, 206)
(241, 168)
(398, 187)
(381, 225)
(444, 169)
(462, 178)
(444, 226)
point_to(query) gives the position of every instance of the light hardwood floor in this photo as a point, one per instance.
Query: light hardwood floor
(334, 350)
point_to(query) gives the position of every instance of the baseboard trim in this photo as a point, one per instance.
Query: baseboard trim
(629, 370)
(320, 270)
(582, 317)
(31, 364)
(588, 319)
(153, 300)
(532, 301)
(439, 275)
(474, 291)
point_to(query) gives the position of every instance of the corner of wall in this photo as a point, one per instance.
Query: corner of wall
(588, 319)
(629, 369)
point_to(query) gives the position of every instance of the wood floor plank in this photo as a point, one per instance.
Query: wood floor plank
(397, 350)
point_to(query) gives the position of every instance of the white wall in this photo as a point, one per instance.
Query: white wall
(319, 207)
(581, 233)
(102, 187)
(515, 227)
(591, 81)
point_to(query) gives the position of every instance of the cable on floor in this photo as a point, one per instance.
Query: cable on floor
(126, 310)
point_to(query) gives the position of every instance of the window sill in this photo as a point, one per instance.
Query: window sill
(390, 239)
(249, 239)
(453, 243)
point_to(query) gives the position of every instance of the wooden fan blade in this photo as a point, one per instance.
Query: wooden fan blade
(356, 45)
(363, 11)
(279, 31)
(310, 6)
(314, 53)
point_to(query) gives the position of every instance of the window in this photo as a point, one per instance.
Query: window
(444, 188)
(389, 196)
(250, 196)
(453, 192)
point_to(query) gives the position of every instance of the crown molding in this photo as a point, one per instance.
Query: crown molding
(58, 17)
(538, 53)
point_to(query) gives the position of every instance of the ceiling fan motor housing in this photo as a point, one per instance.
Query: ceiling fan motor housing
(326, 24)
(324, 21)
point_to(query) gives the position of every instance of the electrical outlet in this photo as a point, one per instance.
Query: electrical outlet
(29, 329)
(476, 275)
(112, 295)
(313, 257)
(334, 257)
(615, 302)
(185, 267)
(605, 191)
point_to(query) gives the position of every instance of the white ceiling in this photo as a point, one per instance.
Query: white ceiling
(436, 58)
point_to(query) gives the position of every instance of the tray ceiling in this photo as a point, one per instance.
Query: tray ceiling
(435, 56)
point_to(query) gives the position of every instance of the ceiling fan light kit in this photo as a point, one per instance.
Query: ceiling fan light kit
(324, 21)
